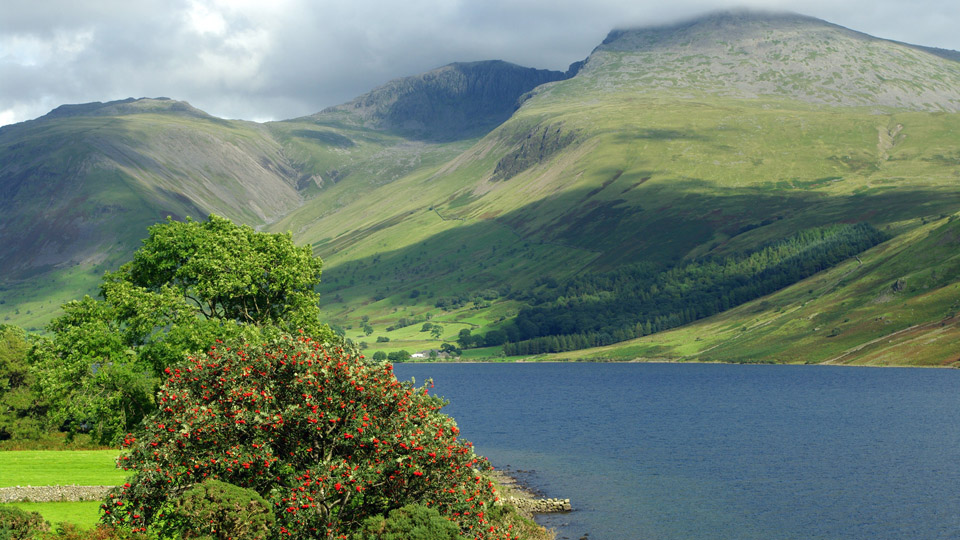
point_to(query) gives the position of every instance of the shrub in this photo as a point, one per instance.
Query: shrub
(327, 439)
(398, 356)
(220, 510)
(17, 524)
(412, 522)
(450, 348)
(69, 531)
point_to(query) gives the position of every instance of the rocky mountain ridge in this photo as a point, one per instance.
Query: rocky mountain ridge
(459, 100)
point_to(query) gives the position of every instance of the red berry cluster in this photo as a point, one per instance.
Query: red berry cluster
(326, 438)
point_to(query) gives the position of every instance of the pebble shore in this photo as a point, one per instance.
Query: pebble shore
(524, 500)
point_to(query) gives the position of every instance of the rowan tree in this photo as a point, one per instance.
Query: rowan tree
(326, 438)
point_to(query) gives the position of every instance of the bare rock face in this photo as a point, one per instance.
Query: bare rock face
(536, 147)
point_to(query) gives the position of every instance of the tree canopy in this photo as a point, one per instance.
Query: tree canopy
(229, 272)
(189, 284)
(21, 410)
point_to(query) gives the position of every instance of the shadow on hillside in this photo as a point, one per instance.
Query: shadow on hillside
(661, 222)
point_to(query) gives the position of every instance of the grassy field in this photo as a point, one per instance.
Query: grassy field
(83, 514)
(54, 468)
(69, 467)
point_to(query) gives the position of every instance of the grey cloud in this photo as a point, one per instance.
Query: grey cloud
(294, 57)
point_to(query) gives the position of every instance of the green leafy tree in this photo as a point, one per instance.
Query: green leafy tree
(91, 378)
(436, 331)
(494, 338)
(465, 339)
(21, 409)
(325, 438)
(398, 356)
(190, 283)
(230, 272)
(451, 349)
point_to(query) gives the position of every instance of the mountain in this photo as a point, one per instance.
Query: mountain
(617, 165)
(77, 179)
(129, 106)
(80, 185)
(467, 194)
(748, 54)
(460, 100)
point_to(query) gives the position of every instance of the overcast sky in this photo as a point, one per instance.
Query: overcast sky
(276, 59)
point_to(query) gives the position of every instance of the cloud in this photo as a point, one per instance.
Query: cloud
(285, 58)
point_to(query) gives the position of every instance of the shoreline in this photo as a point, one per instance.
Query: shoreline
(525, 499)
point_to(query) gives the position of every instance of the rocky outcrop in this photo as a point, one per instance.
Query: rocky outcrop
(525, 500)
(540, 506)
(537, 147)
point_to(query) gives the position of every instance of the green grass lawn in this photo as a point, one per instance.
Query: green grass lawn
(54, 468)
(83, 514)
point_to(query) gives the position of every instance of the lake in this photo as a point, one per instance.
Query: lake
(703, 451)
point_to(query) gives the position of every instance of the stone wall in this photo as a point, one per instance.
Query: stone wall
(53, 493)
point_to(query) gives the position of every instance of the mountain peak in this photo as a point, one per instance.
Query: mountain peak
(459, 100)
(123, 107)
(746, 53)
(726, 25)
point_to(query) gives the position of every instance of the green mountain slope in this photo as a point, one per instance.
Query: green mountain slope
(604, 169)
(898, 305)
(80, 185)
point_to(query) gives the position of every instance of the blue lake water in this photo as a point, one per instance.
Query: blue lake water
(694, 451)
